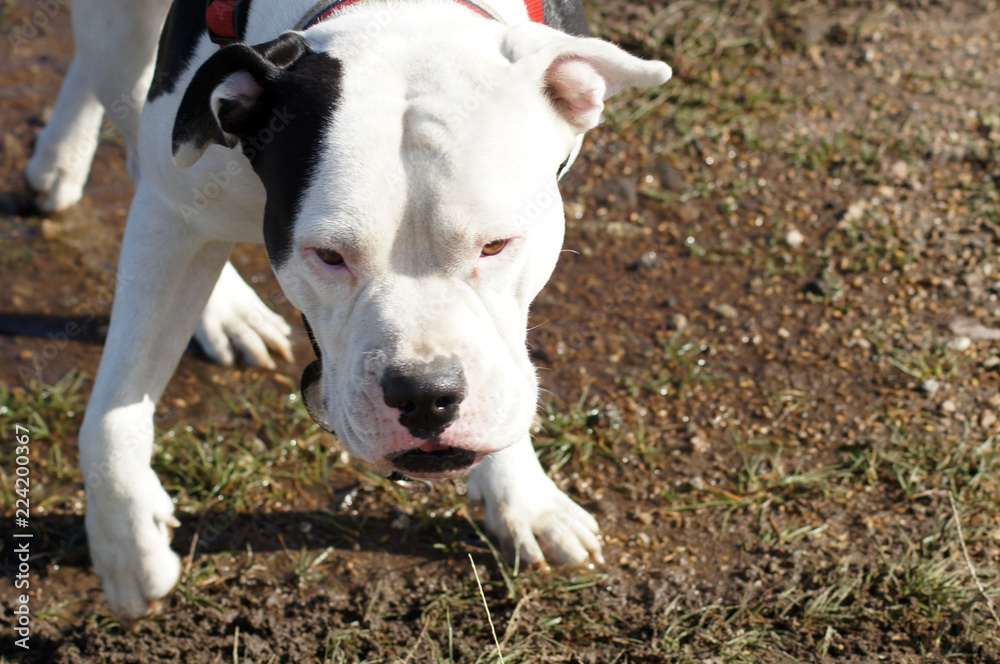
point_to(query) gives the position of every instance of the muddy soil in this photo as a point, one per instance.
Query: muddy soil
(760, 294)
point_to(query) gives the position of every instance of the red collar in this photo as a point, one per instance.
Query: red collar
(226, 19)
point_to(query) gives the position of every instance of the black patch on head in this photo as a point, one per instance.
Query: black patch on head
(280, 131)
(566, 15)
(306, 97)
(182, 31)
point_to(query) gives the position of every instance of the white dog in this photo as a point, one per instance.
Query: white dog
(398, 158)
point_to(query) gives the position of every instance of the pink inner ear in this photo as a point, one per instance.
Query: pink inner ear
(240, 84)
(577, 91)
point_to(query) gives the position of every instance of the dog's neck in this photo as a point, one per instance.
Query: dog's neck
(227, 20)
(327, 9)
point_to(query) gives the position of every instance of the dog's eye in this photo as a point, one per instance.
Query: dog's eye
(493, 248)
(329, 256)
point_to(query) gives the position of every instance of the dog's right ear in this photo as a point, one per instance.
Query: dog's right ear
(231, 95)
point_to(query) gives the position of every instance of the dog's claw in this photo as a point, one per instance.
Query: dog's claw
(536, 523)
(128, 529)
(235, 321)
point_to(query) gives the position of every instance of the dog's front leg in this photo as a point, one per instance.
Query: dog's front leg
(533, 520)
(166, 272)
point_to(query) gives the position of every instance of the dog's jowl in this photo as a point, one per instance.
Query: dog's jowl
(398, 159)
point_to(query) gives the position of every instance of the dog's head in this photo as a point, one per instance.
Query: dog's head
(412, 211)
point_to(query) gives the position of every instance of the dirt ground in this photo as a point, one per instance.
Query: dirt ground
(770, 361)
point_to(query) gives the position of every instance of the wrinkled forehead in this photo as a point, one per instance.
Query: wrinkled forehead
(441, 138)
(391, 45)
(415, 82)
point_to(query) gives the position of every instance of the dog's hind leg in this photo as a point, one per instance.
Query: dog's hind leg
(60, 164)
(112, 69)
(167, 271)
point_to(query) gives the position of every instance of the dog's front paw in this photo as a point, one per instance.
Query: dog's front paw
(236, 321)
(547, 526)
(54, 187)
(129, 531)
(533, 520)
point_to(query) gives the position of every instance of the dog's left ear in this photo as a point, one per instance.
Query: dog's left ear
(231, 95)
(578, 73)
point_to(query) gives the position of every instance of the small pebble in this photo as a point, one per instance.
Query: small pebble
(987, 419)
(679, 322)
(671, 177)
(783, 333)
(725, 310)
(931, 385)
(948, 406)
(650, 261)
(50, 229)
(793, 238)
(700, 442)
(991, 362)
(960, 344)
(645, 518)
(855, 212)
(900, 170)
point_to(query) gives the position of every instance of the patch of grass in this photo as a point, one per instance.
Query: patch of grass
(681, 365)
(267, 450)
(933, 360)
(574, 434)
(52, 414)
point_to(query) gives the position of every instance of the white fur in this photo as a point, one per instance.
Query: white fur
(453, 144)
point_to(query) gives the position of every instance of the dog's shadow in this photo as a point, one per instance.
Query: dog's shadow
(61, 538)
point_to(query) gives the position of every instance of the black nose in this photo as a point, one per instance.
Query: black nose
(427, 394)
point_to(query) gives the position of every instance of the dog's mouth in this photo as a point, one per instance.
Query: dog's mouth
(435, 462)
(429, 461)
